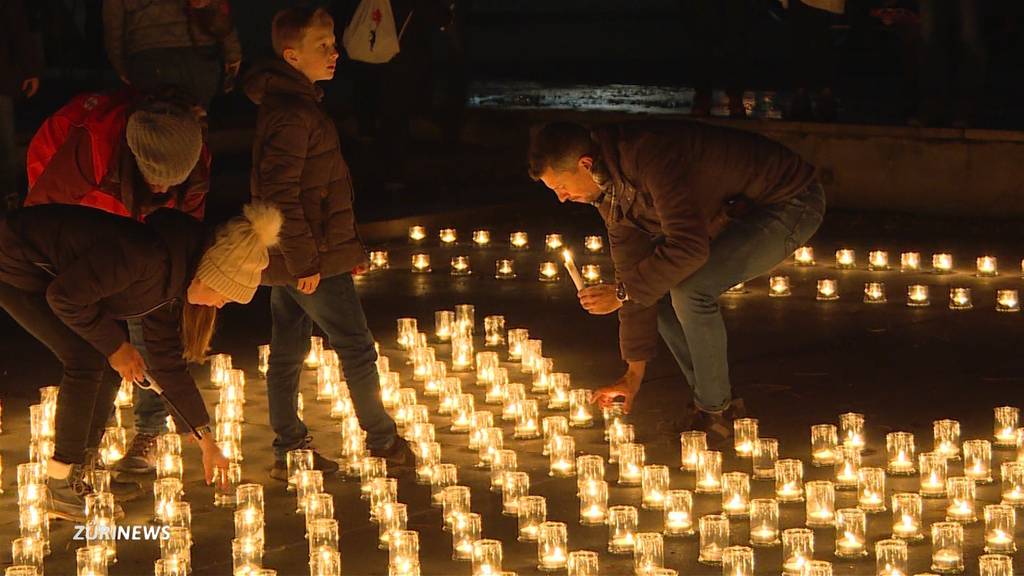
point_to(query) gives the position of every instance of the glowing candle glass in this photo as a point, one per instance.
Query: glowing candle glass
(917, 295)
(226, 481)
(89, 560)
(778, 286)
(987, 266)
(461, 266)
(899, 447)
(504, 269)
(371, 469)
(404, 553)
(462, 353)
(165, 491)
(871, 490)
(246, 556)
(582, 563)
(978, 461)
(527, 420)
(548, 272)
(517, 484)
(738, 561)
(960, 507)
(789, 480)
(648, 553)
(874, 293)
(594, 503)
(709, 472)
(878, 260)
(678, 513)
(947, 548)
(851, 533)
(178, 545)
(824, 444)
(309, 483)
(1007, 301)
(455, 503)
(960, 299)
(406, 330)
(1012, 474)
(654, 482)
(933, 470)
(580, 415)
(691, 444)
(847, 467)
(462, 413)
(1006, 421)
(764, 522)
(891, 558)
(797, 550)
(1000, 528)
(502, 462)
(906, 516)
(428, 456)
(494, 330)
(942, 263)
(558, 390)
(169, 466)
(736, 494)
(593, 244)
(464, 533)
(828, 289)
(766, 452)
(622, 523)
(417, 234)
(821, 504)
(804, 256)
(421, 263)
(553, 242)
(846, 259)
(591, 274)
(394, 517)
(448, 236)
(851, 426)
(995, 565)
(517, 337)
(714, 538)
(219, 365)
(563, 457)
(910, 262)
(481, 237)
(444, 321)
(28, 551)
(631, 458)
(515, 395)
(482, 420)
(444, 475)
(745, 434)
(532, 353)
(487, 557)
(542, 370)
(552, 546)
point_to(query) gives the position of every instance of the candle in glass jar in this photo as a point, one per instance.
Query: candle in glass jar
(820, 503)
(933, 470)
(548, 272)
(481, 237)
(691, 443)
(593, 244)
(947, 438)
(678, 513)
(852, 428)
(648, 553)
(532, 512)
(552, 546)
(871, 490)
(961, 493)
(504, 269)
(714, 538)
(828, 289)
(1006, 420)
(778, 286)
(764, 522)
(591, 274)
(987, 266)
(580, 415)
(1007, 300)
(448, 236)
(906, 516)
(594, 503)
(947, 548)
(622, 525)
(804, 256)
(417, 234)
(736, 494)
(942, 263)
(631, 458)
(874, 293)
(766, 452)
(709, 472)
(901, 453)
(878, 260)
(995, 565)
(378, 260)
(1012, 474)
(519, 240)
(738, 561)
(797, 550)
(460, 266)
(910, 262)
(553, 242)
(917, 295)
(1000, 528)
(464, 533)
(960, 298)
(846, 259)
(851, 531)
(789, 480)
(421, 263)
(891, 557)
(824, 444)
(563, 457)
(654, 482)
(978, 460)
(847, 468)
(582, 563)
(404, 553)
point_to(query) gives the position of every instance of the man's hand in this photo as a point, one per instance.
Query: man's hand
(127, 361)
(308, 284)
(599, 299)
(30, 86)
(625, 388)
(213, 460)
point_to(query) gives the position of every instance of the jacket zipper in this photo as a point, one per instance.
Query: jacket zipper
(150, 311)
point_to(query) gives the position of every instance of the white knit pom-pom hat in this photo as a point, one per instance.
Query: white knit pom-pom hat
(233, 265)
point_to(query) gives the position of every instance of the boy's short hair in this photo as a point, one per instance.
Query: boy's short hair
(291, 24)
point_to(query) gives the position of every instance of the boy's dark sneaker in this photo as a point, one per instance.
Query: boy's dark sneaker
(279, 471)
(141, 455)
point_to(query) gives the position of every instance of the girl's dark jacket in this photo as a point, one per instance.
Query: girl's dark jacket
(97, 269)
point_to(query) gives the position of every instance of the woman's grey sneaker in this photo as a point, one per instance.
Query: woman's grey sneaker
(67, 495)
(141, 455)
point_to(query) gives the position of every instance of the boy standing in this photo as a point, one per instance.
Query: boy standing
(297, 165)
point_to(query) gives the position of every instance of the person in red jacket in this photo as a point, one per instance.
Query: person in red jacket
(129, 155)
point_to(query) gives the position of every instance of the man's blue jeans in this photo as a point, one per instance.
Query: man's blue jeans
(336, 309)
(150, 413)
(689, 319)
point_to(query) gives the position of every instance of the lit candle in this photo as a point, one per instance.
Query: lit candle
(444, 475)
(797, 550)
(766, 452)
(1012, 474)
(548, 272)
(678, 515)
(654, 482)
(594, 503)
(263, 361)
(421, 263)
(933, 469)
(1006, 420)
(378, 260)
(874, 293)
(947, 547)
(1000, 527)
(942, 263)
(851, 528)
(481, 237)
(961, 493)
(460, 266)
(593, 244)
(404, 553)
(580, 415)
(878, 260)
(906, 516)
(947, 438)
(987, 266)
(714, 538)
(778, 286)
(487, 557)
(553, 242)
(745, 433)
(494, 330)
(527, 420)
(738, 561)
(804, 256)
(417, 234)
(691, 443)
(591, 274)
(871, 490)
(709, 472)
(394, 517)
(516, 485)
(563, 457)
(1007, 301)
(764, 522)
(789, 480)
(519, 240)
(448, 236)
(995, 565)
(552, 544)
(504, 269)
(622, 523)
(846, 259)
(462, 353)
(828, 289)
(891, 557)
(532, 512)
(631, 458)
(901, 453)
(464, 533)
(820, 504)
(917, 295)
(852, 427)
(736, 494)
(582, 563)
(455, 503)
(960, 299)
(910, 262)
(847, 468)
(824, 442)
(978, 461)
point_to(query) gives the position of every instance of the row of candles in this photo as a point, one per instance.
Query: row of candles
(518, 240)
(504, 268)
(918, 295)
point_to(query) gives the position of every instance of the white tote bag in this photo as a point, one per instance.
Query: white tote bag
(371, 36)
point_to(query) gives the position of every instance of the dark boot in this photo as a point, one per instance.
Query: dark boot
(123, 491)
(718, 425)
(399, 456)
(141, 455)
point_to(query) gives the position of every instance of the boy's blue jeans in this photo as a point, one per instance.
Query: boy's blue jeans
(689, 319)
(336, 309)
(150, 413)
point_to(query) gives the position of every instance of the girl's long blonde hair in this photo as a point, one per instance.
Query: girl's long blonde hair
(197, 327)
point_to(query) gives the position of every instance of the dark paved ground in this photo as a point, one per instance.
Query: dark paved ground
(795, 361)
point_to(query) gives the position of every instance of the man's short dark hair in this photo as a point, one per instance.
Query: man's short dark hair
(559, 146)
(291, 24)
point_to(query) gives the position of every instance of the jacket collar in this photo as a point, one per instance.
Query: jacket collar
(619, 190)
(277, 77)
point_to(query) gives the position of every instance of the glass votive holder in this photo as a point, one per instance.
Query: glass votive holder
(947, 438)
(517, 485)
(622, 526)
(517, 337)
(487, 557)
(960, 299)
(824, 444)
(225, 485)
(89, 561)
(765, 454)
(804, 256)
(532, 351)
(481, 237)
(878, 260)
(874, 293)
(464, 533)
(764, 522)
(871, 490)
(494, 330)
(1007, 300)
(444, 475)
(678, 509)
(448, 236)
(828, 289)
(246, 556)
(515, 395)
(532, 512)
(960, 492)
(906, 516)
(619, 434)
(847, 468)
(709, 472)
(891, 557)
(504, 269)
(502, 462)
(631, 458)
(901, 453)
(548, 272)
(417, 234)
(591, 274)
(178, 543)
(654, 486)
(789, 480)
(29, 551)
(562, 462)
(714, 538)
(942, 263)
(444, 325)
(691, 444)
(594, 503)
(371, 469)
(995, 565)
(738, 561)
(851, 426)
(582, 563)
(420, 263)
(910, 262)
(917, 295)
(612, 414)
(497, 389)
(947, 548)
(462, 413)
(778, 286)
(978, 460)
(428, 456)
(404, 553)
(987, 266)
(593, 244)
(455, 503)
(745, 434)
(382, 491)
(933, 472)
(580, 414)
(492, 440)
(648, 553)
(462, 353)
(553, 242)
(394, 516)
(736, 494)
(318, 506)
(165, 491)
(1012, 474)
(527, 420)
(820, 504)
(308, 483)
(846, 259)
(552, 546)
(112, 446)
(1006, 420)
(249, 523)
(378, 260)
(1000, 529)
(559, 384)
(851, 533)
(797, 550)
